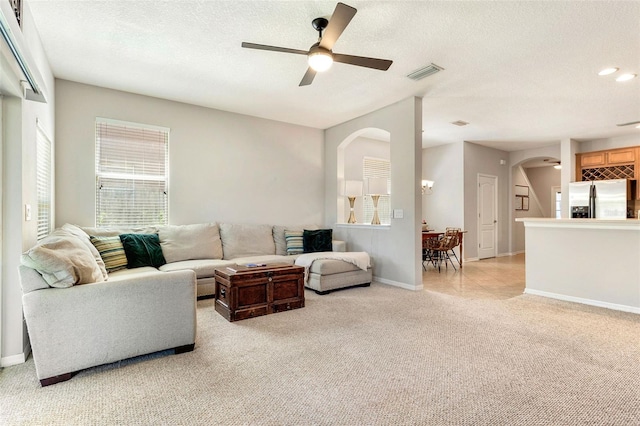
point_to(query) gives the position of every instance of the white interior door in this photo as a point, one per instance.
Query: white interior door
(487, 216)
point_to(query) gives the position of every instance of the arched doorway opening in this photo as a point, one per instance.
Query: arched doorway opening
(535, 193)
(362, 155)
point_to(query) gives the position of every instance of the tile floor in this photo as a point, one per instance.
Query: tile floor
(495, 278)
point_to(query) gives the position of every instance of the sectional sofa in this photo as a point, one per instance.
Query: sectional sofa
(93, 296)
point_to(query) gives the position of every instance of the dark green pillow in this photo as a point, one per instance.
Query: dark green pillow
(317, 240)
(142, 250)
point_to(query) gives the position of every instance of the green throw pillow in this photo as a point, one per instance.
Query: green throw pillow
(142, 250)
(111, 251)
(317, 240)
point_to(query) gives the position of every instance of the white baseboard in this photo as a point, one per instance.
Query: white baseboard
(591, 302)
(398, 284)
(510, 253)
(470, 259)
(8, 361)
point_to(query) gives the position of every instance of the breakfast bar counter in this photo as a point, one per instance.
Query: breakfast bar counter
(590, 261)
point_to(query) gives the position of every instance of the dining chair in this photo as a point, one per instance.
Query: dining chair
(429, 254)
(456, 232)
(441, 252)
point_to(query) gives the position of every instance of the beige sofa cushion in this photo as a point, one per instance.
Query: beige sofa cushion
(268, 259)
(187, 242)
(243, 240)
(63, 260)
(112, 232)
(204, 268)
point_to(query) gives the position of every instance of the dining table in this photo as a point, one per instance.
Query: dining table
(431, 233)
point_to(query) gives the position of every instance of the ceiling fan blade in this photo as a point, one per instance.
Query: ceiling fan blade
(341, 17)
(308, 77)
(629, 123)
(274, 48)
(361, 61)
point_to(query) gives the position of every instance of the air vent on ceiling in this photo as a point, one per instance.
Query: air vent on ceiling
(423, 72)
(459, 123)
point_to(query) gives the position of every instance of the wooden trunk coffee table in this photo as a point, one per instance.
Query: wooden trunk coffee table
(250, 291)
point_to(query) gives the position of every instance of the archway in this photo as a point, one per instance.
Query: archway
(534, 193)
(372, 144)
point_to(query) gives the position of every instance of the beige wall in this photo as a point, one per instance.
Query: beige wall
(19, 119)
(395, 249)
(224, 167)
(444, 165)
(480, 159)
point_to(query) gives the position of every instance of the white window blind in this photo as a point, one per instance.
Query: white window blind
(132, 167)
(377, 168)
(44, 184)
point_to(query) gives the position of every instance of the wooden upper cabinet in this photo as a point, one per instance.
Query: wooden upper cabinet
(620, 163)
(591, 159)
(621, 156)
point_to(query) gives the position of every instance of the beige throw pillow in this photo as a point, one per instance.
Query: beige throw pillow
(63, 260)
(84, 237)
(187, 242)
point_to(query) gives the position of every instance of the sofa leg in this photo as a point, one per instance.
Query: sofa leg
(322, 293)
(55, 379)
(185, 348)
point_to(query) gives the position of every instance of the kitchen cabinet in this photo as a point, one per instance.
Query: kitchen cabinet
(592, 159)
(622, 156)
(620, 163)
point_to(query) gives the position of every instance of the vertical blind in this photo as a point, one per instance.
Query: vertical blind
(44, 184)
(376, 168)
(131, 174)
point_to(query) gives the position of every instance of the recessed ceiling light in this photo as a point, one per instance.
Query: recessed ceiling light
(626, 77)
(608, 71)
(638, 126)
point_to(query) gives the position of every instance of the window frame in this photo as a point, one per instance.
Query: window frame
(374, 167)
(127, 181)
(44, 183)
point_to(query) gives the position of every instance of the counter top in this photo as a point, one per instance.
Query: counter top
(543, 222)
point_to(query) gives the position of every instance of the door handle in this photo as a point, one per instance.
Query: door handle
(495, 221)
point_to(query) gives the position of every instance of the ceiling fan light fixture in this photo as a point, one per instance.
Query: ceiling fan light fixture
(608, 71)
(320, 59)
(626, 77)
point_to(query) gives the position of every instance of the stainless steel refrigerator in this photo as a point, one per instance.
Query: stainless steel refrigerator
(610, 199)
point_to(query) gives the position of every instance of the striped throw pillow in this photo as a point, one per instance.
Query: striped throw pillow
(294, 242)
(111, 251)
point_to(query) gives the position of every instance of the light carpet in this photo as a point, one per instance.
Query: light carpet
(364, 356)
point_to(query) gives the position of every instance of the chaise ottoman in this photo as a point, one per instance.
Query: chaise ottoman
(328, 274)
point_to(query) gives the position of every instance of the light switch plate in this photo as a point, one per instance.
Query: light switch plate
(398, 213)
(27, 212)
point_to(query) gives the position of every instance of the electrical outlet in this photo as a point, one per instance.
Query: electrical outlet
(27, 212)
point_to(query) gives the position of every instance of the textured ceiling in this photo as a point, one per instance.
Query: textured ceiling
(523, 74)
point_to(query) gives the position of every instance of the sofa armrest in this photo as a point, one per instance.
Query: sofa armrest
(339, 245)
(92, 324)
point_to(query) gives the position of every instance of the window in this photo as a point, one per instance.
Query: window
(44, 183)
(131, 174)
(558, 203)
(376, 168)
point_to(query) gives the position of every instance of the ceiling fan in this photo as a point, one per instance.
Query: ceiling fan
(628, 124)
(556, 164)
(320, 55)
